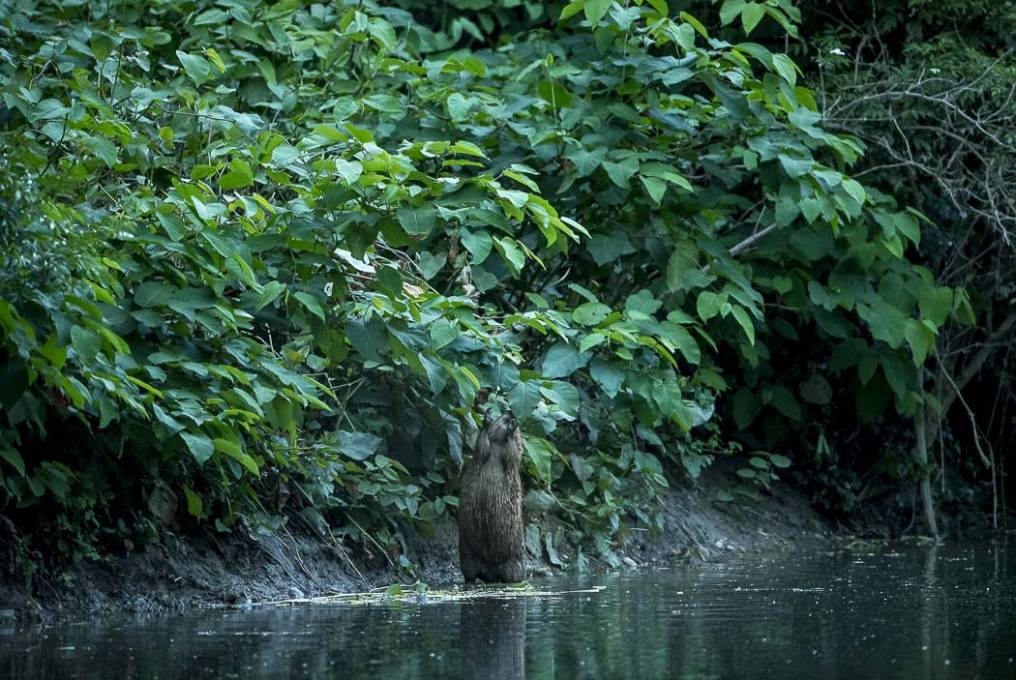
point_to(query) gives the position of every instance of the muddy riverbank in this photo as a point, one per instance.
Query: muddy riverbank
(177, 572)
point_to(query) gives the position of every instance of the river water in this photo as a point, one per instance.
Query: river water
(893, 612)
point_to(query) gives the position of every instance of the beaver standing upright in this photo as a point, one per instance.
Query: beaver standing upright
(490, 508)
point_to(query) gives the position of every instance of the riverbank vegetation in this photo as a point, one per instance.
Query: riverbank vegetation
(264, 264)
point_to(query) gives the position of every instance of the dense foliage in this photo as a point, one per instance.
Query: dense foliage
(929, 88)
(267, 262)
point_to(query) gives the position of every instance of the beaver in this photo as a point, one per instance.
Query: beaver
(491, 545)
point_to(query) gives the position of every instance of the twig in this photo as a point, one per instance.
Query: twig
(970, 414)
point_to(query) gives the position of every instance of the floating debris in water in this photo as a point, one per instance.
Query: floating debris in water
(420, 593)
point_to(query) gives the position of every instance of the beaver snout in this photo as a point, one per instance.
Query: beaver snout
(504, 428)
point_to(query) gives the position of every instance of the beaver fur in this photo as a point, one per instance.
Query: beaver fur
(491, 546)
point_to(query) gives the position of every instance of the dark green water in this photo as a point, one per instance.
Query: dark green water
(905, 612)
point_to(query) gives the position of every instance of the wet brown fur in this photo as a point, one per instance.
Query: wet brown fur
(491, 545)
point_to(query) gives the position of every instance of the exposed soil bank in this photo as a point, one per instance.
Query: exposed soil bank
(179, 573)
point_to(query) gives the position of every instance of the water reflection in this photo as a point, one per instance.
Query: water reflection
(492, 637)
(918, 612)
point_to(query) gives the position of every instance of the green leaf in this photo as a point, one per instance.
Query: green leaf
(591, 341)
(656, 188)
(811, 208)
(620, 172)
(104, 149)
(885, 322)
(268, 294)
(197, 68)
(195, 506)
(730, 10)
(311, 304)
(554, 93)
(568, 11)
(216, 59)
(895, 246)
(86, 343)
(745, 322)
(921, 340)
(349, 171)
(239, 175)
(908, 226)
(590, 313)
(383, 34)
(608, 375)
(896, 373)
(358, 445)
(234, 451)
(643, 302)
(478, 243)
(152, 294)
(285, 155)
(442, 334)
(13, 458)
(458, 106)
(795, 167)
(200, 445)
(542, 454)
(779, 461)
(564, 395)
(785, 66)
(584, 292)
(595, 10)
(683, 259)
(171, 423)
(431, 264)
(511, 253)
(524, 397)
(676, 337)
(747, 406)
(561, 360)
(784, 401)
(855, 190)
(751, 14)
(935, 304)
(961, 307)
(708, 304)
(385, 103)
(696, 24)
(607, 248)
(417, 221)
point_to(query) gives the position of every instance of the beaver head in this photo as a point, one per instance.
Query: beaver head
(500, 439)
